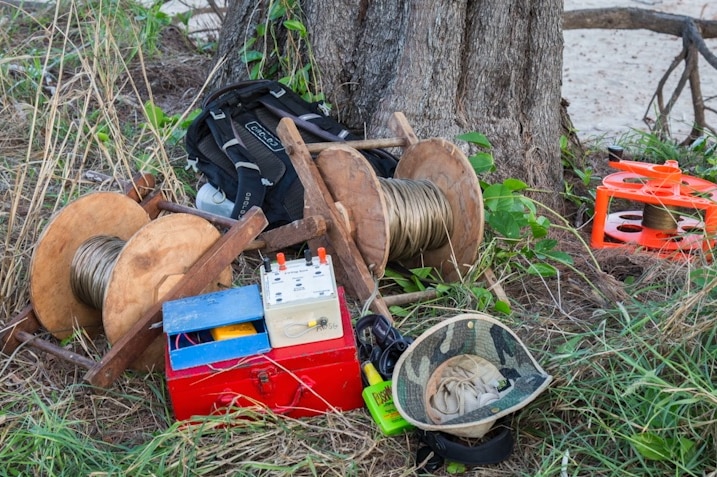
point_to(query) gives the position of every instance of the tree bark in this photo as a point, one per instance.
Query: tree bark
(492, 66)
(511, 88)
(238, 27)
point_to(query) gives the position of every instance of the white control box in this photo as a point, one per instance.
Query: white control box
(301, 301)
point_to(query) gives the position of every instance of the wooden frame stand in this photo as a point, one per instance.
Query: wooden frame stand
(241, 235)
(349, 265)
(139, 337)
(341, 187)
(353, 231)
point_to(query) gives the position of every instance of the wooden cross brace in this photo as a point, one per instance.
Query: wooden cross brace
(244, 234)
(350, 267)
(322, 226)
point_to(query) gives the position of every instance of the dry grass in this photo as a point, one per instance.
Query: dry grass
(50, 141)
(615, 330)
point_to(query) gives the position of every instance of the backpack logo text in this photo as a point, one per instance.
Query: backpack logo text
(264, 135)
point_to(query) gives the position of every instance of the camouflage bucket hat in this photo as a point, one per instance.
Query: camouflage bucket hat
(463, 374)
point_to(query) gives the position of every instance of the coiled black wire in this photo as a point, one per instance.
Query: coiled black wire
(380, 343)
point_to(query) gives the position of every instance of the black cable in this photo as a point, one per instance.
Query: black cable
(385, 346)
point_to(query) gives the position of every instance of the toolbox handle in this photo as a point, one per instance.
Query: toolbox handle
(304, 384)
(230, 398)
(227, 399)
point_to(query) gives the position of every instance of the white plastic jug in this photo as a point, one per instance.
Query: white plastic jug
(213, 200)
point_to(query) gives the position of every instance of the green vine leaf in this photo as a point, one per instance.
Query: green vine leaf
(502, 307)
(155, 115)
(295, 25)
(542, 270)
(252, 55)
(482, 162)
(515, 184)
(476, 138)
(651, 446)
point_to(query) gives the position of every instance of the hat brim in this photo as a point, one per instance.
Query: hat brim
(472, 333)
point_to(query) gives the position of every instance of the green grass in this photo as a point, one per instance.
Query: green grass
(651, 402)
(41, 437)
(697, 159)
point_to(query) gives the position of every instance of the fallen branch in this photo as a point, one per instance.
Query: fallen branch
(693, 33)
(635, 19)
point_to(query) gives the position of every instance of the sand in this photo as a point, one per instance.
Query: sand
(609, 76)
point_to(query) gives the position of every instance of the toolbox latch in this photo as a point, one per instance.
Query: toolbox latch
(264, 380)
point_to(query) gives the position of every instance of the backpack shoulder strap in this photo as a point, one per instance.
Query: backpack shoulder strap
(251, 187)
(283, 103)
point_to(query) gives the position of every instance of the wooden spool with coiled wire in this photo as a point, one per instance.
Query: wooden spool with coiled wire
(370, 214)
(153, 258)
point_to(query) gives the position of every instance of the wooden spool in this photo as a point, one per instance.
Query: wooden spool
(358, 196)
(154, 258)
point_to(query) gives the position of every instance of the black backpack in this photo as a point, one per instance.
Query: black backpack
(233, 143)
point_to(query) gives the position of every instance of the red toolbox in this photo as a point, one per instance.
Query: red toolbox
(301, 380)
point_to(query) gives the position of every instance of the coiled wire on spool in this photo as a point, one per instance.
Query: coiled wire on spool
(91, 268)
(660, 218)
(93, 272)
(662, 226)
(419, 216)
(379, 223)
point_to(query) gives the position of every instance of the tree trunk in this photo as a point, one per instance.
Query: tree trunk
(492, 66)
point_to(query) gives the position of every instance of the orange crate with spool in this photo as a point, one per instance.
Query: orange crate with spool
(678, 216)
